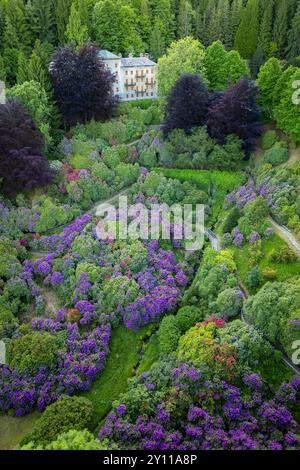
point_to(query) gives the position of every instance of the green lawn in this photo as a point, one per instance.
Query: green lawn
(284, 271)
(12, 430)
(121, 364)
(151, 355)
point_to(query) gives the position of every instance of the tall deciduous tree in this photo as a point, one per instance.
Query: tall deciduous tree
(82, 85)
(236, 112)
(187, 104)
(183, 56)
(246, 39)
(268, 76)
(287, 112)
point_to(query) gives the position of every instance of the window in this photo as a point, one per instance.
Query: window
(131, 72)
(126, 72)
(132, 95)
(117, 90)
(127, 96)
(152, 93)
(116, 65)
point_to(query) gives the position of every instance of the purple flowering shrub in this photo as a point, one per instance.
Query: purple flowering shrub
(76, 367)
(184, 411)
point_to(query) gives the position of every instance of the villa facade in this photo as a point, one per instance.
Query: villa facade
(136, 77)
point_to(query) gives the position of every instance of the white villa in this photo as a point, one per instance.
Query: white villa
(135, 76)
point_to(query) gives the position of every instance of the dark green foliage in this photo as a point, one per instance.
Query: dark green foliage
(254, 278)
(65, 414)
(276, 156)
(268, 140)
(231, 220)
(189, 316)
(169, 334)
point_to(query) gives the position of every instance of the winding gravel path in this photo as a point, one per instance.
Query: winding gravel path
(286, 235)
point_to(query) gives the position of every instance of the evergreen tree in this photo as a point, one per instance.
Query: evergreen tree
(22, 74)
(223, 19)
(281, 26)
(187, 104)
(39, 63)
(293, 48)
(40, 16)
(247, 34)
(236, 112)
(215, 63)
(257, 60)
(119, 35)
(185, 19)
(237, 67)
(266, 27)
(268, 76)
(62, 13)
(76, 33)
(2, 70)
(15, 34)
(157, 43)
(235, 18)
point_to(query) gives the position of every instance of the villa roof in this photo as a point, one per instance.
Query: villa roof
(137, 62)
(104, 54)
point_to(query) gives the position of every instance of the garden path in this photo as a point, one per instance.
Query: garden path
(286, 235)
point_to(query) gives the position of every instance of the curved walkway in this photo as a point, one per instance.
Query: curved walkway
(216, 244)
(286, 235)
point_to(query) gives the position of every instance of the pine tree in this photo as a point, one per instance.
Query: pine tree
(281, 26)
(185, 19)
(293, 48)
(15, 34)
(2, 70)
(157, 43)
(40, 16)
(76, 33)
(247, 34)
(39, 63)
(200, 12)
(235, 18)
(223, 14)
(22, 75)
(266, 27)
(257, 60)
(62, 13)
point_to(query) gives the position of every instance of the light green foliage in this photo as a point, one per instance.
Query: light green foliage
(33, 350)
(35, 99)
(283, 255)
(72, 440)
(77, 34)
(287, 113)
(169, 334)
(276, 155)
(184, 56)
(269, 310)
(223, 68)
(269, 139)
(268, 76)
(85, 245)
(229, 303)
(53, 215)
(67, 413)
(194, 345)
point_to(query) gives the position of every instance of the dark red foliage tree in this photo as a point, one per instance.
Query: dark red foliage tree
(22, 164)
(187, 104)
(236, 112)
(83, 86)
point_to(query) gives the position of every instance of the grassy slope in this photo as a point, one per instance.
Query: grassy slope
(151, 355)
(122, 361)
(12, 430)
(284, 271)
